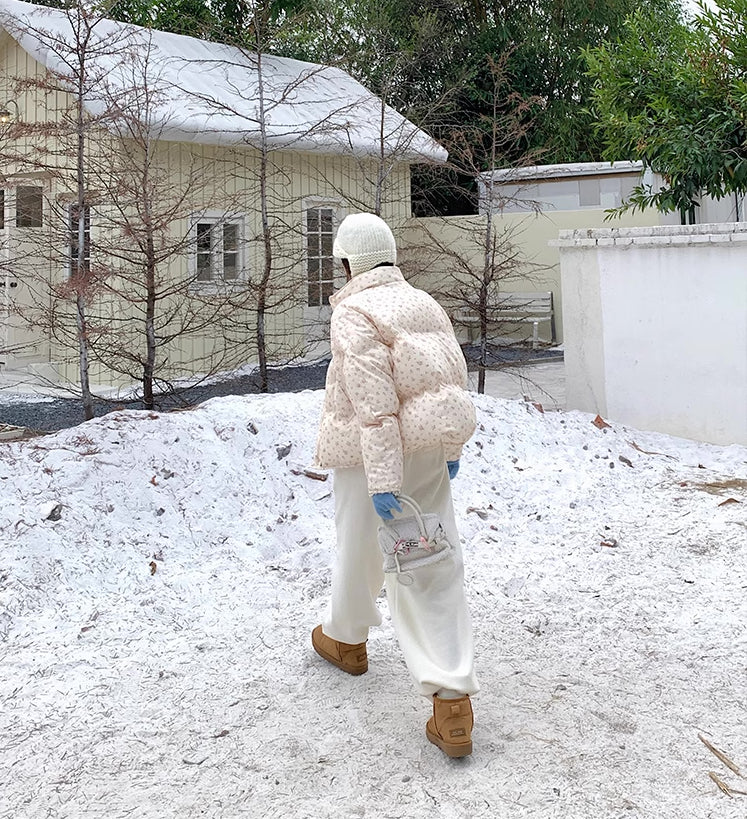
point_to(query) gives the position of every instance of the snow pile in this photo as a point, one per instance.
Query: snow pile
(160, 575)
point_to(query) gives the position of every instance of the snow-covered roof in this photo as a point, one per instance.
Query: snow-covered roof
(209, 92)
(532, 172)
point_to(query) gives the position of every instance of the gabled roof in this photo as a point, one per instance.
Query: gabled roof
(208, 92)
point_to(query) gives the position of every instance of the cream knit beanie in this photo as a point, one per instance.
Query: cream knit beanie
(365, 241)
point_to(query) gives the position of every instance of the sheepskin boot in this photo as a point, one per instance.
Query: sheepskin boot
(351, 658)
(450, 727)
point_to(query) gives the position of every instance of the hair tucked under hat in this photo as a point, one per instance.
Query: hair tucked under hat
(365, 240)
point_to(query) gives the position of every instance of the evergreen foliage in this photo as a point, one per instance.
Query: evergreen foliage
(433, 60)
(675, 97)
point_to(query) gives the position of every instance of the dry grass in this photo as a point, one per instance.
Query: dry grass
(722, 487)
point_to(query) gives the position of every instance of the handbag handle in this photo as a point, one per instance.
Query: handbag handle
(413, 504)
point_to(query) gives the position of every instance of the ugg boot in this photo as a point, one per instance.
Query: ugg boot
(351, 658)
(450, 727)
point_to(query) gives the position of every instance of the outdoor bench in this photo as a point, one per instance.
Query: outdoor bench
(512, 308)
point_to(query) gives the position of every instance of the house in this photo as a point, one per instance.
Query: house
(587, 186)
(193, 185)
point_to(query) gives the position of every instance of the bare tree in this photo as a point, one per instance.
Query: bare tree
(75, 58)
(285, 116)
(164, 285)
(123, 222)
(478, 256)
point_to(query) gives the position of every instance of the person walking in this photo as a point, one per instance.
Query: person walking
(395, 418)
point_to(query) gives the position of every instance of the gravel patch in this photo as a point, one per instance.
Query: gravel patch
(61, 413)
(46, 415)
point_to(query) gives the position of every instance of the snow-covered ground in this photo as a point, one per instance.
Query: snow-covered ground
(160, 576)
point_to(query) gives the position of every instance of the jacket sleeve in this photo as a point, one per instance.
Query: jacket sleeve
(369, 384)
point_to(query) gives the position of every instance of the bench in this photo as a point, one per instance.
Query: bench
(512, 308)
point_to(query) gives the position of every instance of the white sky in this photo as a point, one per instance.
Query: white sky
(693, 5)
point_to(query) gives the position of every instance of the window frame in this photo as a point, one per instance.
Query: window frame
(29, 186)
(336, 273)
(217, 251)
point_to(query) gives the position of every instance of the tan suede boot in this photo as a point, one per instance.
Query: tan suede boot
(450, 727)
(351, 658)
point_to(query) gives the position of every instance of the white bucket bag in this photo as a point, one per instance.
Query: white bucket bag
(408, 543)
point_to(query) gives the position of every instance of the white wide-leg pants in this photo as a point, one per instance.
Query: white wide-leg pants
(430, 616)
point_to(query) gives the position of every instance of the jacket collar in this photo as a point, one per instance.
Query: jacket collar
(371, 278)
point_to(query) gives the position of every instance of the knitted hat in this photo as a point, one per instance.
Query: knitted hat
(365, 241)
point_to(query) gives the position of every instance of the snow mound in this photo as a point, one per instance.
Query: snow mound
(160, 575)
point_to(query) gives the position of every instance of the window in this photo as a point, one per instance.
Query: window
(217, 249)
(589, 193)
(28, 206)
(74, 242)
(320, 263)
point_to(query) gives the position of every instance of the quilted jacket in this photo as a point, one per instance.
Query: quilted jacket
(396, 382)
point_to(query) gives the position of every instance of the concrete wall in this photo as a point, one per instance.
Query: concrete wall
(656, 327)
(531, 234)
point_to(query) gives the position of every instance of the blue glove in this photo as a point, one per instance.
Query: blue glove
(384, 503)
(453, 467)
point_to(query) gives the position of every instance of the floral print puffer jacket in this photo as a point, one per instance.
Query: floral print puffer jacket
(396, 382)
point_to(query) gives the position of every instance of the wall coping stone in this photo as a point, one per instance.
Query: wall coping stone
(654, 236)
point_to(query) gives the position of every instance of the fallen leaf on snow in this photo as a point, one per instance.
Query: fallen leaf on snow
(721, 784)
(54, 513)
(479, 511)
(529, 403)
(309, 473)
(600, 423)
(729, 500)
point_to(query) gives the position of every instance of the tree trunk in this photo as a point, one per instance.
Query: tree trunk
(82, 274)
(149, 366)
(85, 389)
(483, 297)
(261, 336)
(262, 348)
